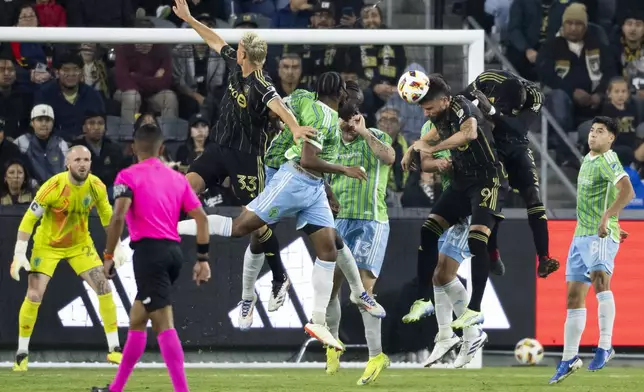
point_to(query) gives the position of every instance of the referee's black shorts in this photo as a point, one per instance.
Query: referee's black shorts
(520, 166)
(157, 264)
(246, 171)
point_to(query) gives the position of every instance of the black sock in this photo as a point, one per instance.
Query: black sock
(271, 248)
(477, 242)
(492, 245)
(428, 257)
(539, 225)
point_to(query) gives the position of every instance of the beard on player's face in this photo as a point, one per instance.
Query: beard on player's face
(79, 175)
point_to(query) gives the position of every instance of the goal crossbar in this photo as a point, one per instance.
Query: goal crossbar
(473, 39)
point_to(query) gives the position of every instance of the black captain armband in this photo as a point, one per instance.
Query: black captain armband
(203, 248)
(122, 190)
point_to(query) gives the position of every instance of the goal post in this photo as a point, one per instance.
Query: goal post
(473, 40)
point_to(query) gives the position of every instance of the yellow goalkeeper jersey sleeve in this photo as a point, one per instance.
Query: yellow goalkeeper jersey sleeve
(65, 208)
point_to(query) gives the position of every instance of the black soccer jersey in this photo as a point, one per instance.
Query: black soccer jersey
(511, 125)
(243, 121)
(478, 159)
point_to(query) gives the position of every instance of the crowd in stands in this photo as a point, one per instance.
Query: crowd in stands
(53, 96)
(589, 57)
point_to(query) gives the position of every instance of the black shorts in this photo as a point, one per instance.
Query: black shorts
(481, 199)
(246, 171)
(157, 264)
(520, 166)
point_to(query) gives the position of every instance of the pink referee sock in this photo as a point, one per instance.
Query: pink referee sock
(134, 348)
(172, 354)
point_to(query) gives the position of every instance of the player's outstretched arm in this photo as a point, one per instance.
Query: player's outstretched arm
(429, 164)
(311, 161)
(201, 270)
(278, 107)
(211, 38)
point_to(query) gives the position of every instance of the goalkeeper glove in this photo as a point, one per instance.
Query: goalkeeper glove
(120, 255)
(20, 260)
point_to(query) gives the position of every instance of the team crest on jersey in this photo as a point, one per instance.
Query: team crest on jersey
(86, 201)
(273, 212)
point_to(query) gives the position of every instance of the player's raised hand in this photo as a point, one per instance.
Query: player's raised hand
(182, 10)
(357, 122)
(407, 162)
(201, 272)
(301, 132)
(484, 102)
(355, 172)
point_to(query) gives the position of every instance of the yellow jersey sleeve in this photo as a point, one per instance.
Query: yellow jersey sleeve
(47, 192)
(101, 200)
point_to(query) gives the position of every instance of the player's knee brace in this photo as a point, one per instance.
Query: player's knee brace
(477, 241)
(431, 231)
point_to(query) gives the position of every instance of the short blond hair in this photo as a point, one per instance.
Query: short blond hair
(255, 47)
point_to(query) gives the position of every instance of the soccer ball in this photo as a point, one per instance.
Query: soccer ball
(528, 351)
(412, 86)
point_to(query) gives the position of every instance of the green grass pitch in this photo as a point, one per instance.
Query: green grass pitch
(508, 379)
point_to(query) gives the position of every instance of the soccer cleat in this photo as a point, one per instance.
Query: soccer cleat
(332, 360)
(375, 365)
(565, 369)
(101, 389)
(497, 267)
(366, 302)
(246, 309)
(22, 362)
(418, 310)
(441, 347)
(547, 266)
(469, 348)
(600, 359)
(469, 318)
(321, 333)
(278, 294)
(115, 356)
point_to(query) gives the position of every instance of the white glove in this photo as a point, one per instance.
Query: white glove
(120, 255)
(20, 260)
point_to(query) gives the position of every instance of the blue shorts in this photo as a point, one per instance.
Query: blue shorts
(590, 253)
(269, 172)
(367, 240)
(453, 242)
(293, 193)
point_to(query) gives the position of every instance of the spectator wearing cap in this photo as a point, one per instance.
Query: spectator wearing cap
(296, 15)
(196, 70)
(30, 58)
(14, 105)
(144, 75)
(246, 21)
(8, 150)
(44, 151)
(577, 66)
(69, 97)
(197, 139)
(51, 14)
(100, 13)
(107, 156)
(530, 24)
(629, 48)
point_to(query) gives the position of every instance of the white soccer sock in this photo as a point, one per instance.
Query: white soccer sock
(606, 316)
(457, 294)
(253, 264)
(217, 225)
(333, 315)
(349, 268)
(372, 333)
(443, 309)
(23, 345)
(112, 340)
(573, 329)
(322, 288)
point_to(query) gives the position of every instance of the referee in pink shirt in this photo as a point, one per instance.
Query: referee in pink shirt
(151, 210)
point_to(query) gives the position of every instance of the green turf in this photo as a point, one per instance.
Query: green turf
(511, 379)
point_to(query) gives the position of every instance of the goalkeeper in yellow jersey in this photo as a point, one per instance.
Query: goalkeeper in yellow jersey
(64, 203)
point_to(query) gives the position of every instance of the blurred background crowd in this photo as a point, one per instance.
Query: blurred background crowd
(588, 55)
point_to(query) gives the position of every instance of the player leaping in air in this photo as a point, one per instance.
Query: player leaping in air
(478, 187)
(513, 104)
(64, 203)
(240, 138)
(298, 190)
(603, 190)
